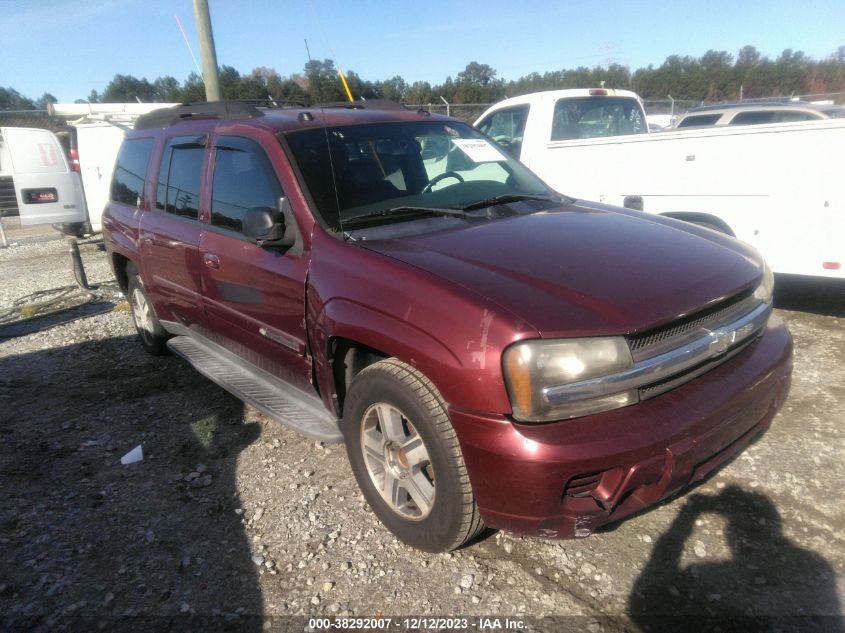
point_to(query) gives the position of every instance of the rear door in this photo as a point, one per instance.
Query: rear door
(170, 232)
(47, 191)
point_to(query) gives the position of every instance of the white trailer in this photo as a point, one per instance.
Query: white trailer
(776, 186)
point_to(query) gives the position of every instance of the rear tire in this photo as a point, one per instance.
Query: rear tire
(406, 457)
(152, 335)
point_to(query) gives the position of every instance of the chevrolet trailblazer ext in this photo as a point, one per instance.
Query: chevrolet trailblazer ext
(490, 352)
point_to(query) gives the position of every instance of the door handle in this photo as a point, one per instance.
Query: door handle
(211, 260)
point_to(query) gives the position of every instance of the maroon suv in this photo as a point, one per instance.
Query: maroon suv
(491, 352)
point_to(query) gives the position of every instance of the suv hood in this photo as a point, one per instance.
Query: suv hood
(584, 269)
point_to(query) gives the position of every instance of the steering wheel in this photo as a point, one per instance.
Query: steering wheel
(439, 177)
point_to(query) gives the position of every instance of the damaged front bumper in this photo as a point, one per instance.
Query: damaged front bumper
(565, 479)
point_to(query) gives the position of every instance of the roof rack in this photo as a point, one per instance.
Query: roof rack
(204, 110)
(370, 104)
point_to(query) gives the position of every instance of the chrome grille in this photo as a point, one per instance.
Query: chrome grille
(677, 333)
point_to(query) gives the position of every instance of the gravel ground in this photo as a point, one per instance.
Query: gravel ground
(233, 522)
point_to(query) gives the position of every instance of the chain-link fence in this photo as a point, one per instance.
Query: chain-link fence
(469, 112)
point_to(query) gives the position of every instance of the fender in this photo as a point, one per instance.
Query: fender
(388, 333)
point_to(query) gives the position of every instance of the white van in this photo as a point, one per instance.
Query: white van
(49, 184)
(46, 190)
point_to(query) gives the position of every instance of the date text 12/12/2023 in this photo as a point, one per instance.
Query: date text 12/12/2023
(418, 623)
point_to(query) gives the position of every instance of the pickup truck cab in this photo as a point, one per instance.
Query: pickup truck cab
(490, 352)
(562, 115)
(772, 185)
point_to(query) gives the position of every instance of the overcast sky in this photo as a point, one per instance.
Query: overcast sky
(69, 47)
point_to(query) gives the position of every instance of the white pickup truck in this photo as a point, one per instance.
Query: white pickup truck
(776, 186)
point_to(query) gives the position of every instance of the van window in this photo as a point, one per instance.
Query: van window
(243, 179)
(179, 176)
(130, 170)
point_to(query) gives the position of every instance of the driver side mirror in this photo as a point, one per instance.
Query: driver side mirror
(269, 227)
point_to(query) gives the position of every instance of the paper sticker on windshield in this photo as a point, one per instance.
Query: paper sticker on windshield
(479, 150)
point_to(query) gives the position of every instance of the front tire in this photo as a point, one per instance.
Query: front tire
(406, 457)
(152, 335)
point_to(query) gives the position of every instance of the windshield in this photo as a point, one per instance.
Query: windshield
(374, 169)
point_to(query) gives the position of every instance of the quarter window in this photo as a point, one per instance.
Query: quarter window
(243, 179)
(130, 170)
(179, 176)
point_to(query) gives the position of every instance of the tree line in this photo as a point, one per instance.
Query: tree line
(715, 76)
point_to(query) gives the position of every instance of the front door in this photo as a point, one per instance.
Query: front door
(254, 297)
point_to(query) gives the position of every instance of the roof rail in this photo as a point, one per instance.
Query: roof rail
(204, 110)
(370, 104)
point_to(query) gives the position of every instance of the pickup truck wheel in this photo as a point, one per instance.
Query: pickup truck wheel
(406, 457)
(152, 335)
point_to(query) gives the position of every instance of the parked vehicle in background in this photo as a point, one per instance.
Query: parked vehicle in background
(755, 113)
(774, 186)
(37, 182)
(491, 353)
(574, 114)
(63, 178)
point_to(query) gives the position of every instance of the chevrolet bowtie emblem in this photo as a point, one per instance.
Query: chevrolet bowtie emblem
(721, 341)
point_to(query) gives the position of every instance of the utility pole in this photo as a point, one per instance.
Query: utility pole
(207, 52)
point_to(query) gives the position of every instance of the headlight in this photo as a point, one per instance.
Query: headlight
(533, 368)
(767, 286)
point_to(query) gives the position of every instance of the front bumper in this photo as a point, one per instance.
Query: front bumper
(565, 479)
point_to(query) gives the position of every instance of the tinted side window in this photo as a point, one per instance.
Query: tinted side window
(130, 170)
(179, 176)
(700, 119)
(754, 118)
(243, 179)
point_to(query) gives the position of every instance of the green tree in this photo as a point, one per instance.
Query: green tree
(419, 93)
(167, 89)
(127, 89)
(323, 82)
(11, 99)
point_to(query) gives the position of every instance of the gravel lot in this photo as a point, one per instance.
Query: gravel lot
(233, 522)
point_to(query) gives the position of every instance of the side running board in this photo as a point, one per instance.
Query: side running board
(273, 397)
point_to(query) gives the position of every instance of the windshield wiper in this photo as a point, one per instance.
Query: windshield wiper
(505, 199)
(404, 212)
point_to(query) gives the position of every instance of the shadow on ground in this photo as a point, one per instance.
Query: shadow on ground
(87, 543)
(767, 584)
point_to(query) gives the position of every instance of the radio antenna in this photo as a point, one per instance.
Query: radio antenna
(329, 151)
(188, 44)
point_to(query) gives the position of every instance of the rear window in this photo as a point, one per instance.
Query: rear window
(130, 170)
(590, 117)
